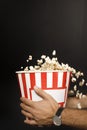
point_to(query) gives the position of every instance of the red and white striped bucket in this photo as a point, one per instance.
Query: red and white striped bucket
(56, 83)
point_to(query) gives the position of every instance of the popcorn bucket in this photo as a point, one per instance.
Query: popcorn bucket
(55, 83)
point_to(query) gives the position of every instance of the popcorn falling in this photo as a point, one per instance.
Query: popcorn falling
(47, 63)
(29, 58)
(79, 106)
(54, 52)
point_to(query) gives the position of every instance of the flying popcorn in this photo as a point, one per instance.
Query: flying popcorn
(47, 63)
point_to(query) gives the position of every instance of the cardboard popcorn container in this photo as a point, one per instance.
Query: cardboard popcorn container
(56, 83)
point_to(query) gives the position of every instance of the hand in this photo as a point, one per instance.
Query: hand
(39, 112)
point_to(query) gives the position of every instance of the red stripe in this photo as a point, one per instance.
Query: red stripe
(32, 80)
(61, 104)
(64, 80)
(24, 85)
(30, 94)
(19, 84)
(43, 80)
(55, 80)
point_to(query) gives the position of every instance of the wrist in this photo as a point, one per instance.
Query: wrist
(57, 119)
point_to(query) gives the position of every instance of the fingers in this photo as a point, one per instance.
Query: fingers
(27, 101)
(30, 122)
(25, 107)
(26, 111)
(41, 93)
(27, 114)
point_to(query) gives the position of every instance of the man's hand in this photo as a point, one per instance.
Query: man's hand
(39, 112)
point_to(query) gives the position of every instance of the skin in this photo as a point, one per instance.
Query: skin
(41, 112)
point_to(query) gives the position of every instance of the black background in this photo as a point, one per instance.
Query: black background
(37, 27)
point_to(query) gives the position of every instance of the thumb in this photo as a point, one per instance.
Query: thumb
(41, 92)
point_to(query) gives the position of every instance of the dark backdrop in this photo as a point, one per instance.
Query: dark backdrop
(37, 27)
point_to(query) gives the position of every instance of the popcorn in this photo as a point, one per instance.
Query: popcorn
(47, 63)
(81, 83)
(73, 79)
(39, 61)
(30, 57)
(80, 95)
(79, 105)
(43, 56)
(75, 87)
(21, 67)
(26, 68)
(31, 68)
(54, 52)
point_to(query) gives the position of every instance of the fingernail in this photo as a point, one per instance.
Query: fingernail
(35, 87)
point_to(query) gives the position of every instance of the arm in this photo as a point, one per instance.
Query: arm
(42, 112)
(75, 118)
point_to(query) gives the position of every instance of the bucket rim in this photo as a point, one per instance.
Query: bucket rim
(40, 71)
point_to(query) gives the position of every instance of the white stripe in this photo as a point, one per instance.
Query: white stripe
(60, 79)
(67, 79)
(67, 85)
(27, 77)
(58, 95)
(21, 85)
(38, 79)
(49, 80)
